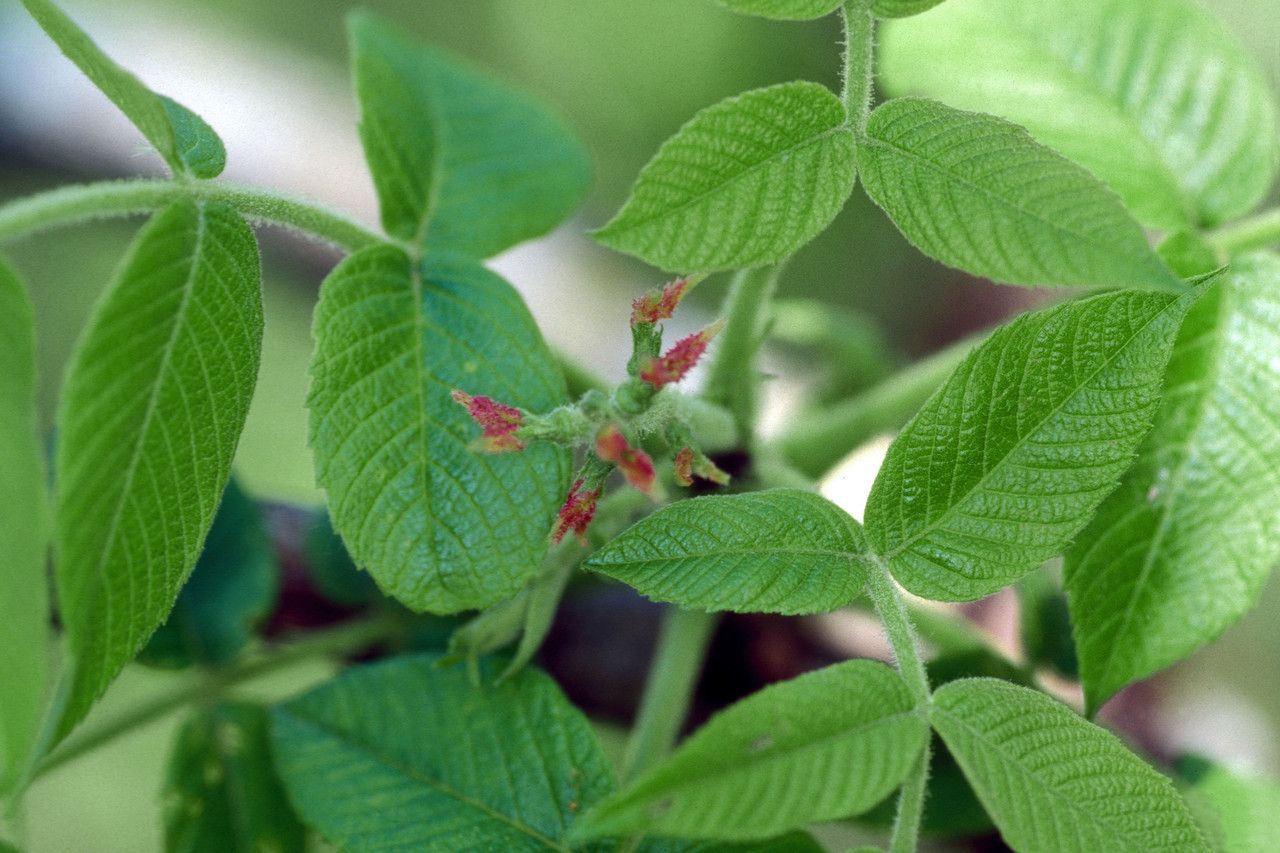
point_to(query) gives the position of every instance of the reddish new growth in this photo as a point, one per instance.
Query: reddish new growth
(657, 305)
(690, 464)
(635, 464)
(498, 421)
(680, 359)
(576, 514)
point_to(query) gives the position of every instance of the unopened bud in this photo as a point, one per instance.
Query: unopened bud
(576, 513)
(680, 359)
(498, 421)
(690, 463)
(660, 304)
(635, 464)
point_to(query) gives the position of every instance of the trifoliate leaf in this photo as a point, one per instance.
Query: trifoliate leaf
(978, 193)
(745, 183)
(405, 755)
(764, 765)
(776, 551)
(460, 161)
(232, 589)
(180, 136)
(1054, 782)
(1183, 547)
(223, 794)
(1155, 97)
(24, 535)
(1007, 461)
(439, 524)
(151, 412)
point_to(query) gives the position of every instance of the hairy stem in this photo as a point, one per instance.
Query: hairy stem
(897, 625)
(342, 640)
(107, 199)
(818, 441)
(734, 379)
(677, 662)
(1257, 232)
(859, 61)
(906, 822)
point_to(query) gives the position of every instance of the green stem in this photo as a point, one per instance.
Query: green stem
(906, 823)
(1257, 232)
(87, 202)
(859, 61)
(342, 640)
(820, 440)
(734, 380)
(897, 625)
(668, 692)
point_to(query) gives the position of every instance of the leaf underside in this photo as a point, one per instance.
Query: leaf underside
(152, 409)
(978, 193)
(1155, 97)
(1007, 461)
(783, 10)
(776, 551)
(744, 183)
(187, 144)
(1054, 782)
(440, 526)
(1183, 547)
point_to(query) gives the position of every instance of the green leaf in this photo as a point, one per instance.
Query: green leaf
(1239, 813)
(901, 8)
(1154, 97)
(792, 842)
(223, 794)
(232, 589)
(1053, 781)
(440, 526)
(765, 764)
(24, 540)
(152, 408)
(403, 755)
(1045, 625)
(783, 10)
(745, 183)
(180, 136)
(459, 160)
(1183, 547)
(1007, 461)
(978, 193)
(776, 551)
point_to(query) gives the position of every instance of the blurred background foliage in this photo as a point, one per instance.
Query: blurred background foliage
(271, 78)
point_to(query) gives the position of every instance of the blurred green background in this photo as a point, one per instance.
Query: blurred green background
(627, 73)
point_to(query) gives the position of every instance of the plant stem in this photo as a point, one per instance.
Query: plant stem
(820, 440)
(1257, 232)
(906, 823)
(87, 202)
(344, 639)
(734, 380)
(859, 62)
(668, 692)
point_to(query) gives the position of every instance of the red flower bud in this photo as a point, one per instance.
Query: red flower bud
(635, 464)
(657, 305)
(680, 359)
(499, 422)
(576, 513)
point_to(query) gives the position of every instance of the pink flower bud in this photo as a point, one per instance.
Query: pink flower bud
(635, 464)
(658, 305)
(680, 359)
(576, 513)
(498, 421)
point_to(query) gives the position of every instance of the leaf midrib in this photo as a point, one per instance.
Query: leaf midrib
(414, 775)
(736, 552)
(188, 288)
(929, 528)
